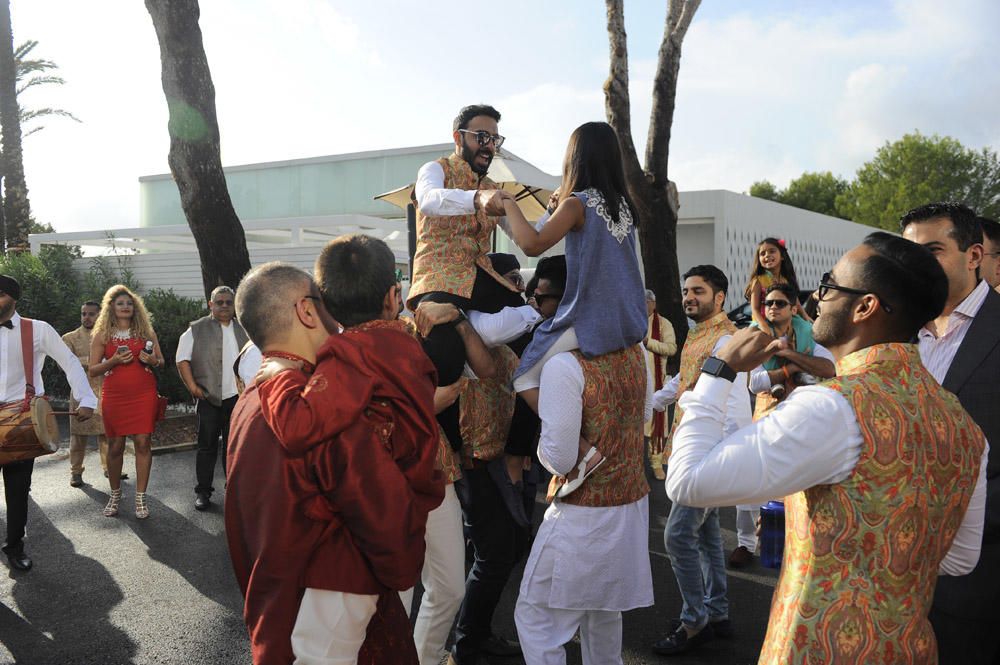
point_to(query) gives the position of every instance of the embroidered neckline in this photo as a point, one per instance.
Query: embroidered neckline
(617, 228)
(122, 335)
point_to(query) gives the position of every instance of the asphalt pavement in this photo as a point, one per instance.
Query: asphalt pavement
(122, 591)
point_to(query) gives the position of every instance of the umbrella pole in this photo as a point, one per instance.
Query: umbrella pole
(411, 234)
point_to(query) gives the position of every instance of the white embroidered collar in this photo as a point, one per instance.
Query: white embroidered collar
(618, 228)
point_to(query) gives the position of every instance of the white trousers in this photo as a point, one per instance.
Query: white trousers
(331, 626)
(746, 526)
(443, 579)
(544, 630)
(533, 377)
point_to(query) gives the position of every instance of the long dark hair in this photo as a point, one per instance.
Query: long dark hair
(786, 270)
(594, 159)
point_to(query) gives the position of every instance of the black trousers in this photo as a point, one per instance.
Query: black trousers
(499, 543)
(444, 345)
(213, 423)
(16, 485)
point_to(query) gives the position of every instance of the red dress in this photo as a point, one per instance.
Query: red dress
(128, 398)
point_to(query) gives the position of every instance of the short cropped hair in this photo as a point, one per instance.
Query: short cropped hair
(354, 273)
(715, 277)
(470, 112)
(966, 229)
(991, 229)
(265, 300)
(220, 289)
(910, 279)
(91, 303)
(785, 289)
(650, 296)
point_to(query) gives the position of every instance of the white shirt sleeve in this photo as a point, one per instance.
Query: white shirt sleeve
(505, 326)
(760, 382)
(51, 345)
(249, 364)
(811, 438)
(185, 346)
(822, 352)
(560, 407)
(434, 200)
(963, 555)
(666, 395)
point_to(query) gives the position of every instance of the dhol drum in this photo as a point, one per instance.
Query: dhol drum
(27, 434)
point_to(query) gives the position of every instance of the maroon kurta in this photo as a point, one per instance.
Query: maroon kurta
(366, 420)
(274, 534)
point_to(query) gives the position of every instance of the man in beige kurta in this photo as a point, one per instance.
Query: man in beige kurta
(79, 343)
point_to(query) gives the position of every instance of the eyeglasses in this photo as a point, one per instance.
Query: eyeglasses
(483, 137)
(825, 286)
(542, 297)
(780, 304)
(223, 303)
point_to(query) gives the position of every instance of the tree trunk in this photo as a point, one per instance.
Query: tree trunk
(194, 157)
(17, 210)
(653, 194)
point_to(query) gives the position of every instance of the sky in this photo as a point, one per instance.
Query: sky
(767, 89)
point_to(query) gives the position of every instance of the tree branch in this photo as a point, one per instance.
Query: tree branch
(616, 94)
(679, 16)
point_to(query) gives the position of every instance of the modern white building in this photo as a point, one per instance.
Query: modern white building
(290, 209)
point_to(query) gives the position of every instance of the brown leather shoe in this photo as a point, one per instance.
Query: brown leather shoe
(740, 557)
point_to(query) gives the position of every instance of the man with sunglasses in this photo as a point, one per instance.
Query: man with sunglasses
(799, 356)
(883, 472)
(961, 349)
(458, 208)
(206, 354)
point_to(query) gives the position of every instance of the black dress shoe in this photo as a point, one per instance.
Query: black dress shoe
(202, 502)
(500, 646)
(679, 642)
(19, 560)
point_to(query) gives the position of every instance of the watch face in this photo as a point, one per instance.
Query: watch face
(712, 365)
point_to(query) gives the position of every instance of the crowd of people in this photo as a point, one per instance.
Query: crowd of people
(370, 444)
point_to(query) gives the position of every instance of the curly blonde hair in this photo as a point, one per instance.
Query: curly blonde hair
(106, 322)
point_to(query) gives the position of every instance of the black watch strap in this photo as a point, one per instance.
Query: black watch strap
(718, 368)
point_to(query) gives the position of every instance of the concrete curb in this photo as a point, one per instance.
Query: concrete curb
(175, 448)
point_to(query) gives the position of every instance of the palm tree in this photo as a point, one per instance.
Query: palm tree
(32, 72)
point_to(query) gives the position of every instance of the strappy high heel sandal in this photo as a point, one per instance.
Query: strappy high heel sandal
(111, 510)
(141, 509)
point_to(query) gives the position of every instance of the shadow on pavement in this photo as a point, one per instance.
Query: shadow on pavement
(65, 601)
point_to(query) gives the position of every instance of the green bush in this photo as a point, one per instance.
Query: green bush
(52, 291)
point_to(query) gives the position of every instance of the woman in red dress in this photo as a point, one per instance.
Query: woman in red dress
(128, 398)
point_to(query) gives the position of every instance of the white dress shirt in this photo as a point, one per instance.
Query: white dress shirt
(47, 343)
(434, 200)
(738, 411)
(760, 382)
(938, 352)
(185, 349)
(504, 326)
(811, 438)
(249, 364)
(587, 557)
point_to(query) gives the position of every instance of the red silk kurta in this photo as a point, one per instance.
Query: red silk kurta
(365, 418)
(271, 541)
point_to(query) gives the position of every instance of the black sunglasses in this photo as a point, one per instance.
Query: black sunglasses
(483, 137)
(541, 297)
(780, 304)
(825, 286)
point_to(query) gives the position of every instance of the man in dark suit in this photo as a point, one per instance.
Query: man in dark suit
(961, 348)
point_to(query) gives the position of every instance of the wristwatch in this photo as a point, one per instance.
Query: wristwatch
(719, 368)
(461, 315)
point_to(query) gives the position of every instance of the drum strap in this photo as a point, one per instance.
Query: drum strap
(28, 358)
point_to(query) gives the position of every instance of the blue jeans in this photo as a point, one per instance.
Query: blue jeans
(694, 545)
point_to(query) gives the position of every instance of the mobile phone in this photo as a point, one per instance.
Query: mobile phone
(122, 348)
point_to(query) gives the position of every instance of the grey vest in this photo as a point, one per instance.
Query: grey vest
(206, 357)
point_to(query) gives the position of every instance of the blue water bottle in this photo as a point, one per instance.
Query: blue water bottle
(772, 533)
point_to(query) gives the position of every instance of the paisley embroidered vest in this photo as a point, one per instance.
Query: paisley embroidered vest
(861, 556)
(449, 248)
(701, 340)
(614, 397)
(486, 408)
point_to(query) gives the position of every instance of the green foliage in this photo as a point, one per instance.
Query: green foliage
(52, 291)
(912, 171)
(171, 315)
(811, 191)
(762, 189)
(919, 169)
